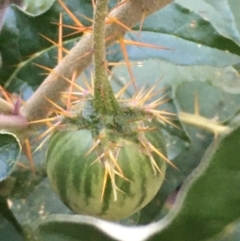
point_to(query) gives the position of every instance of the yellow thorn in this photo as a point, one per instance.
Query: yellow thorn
(42, 144)
(114, 160)
(122, 90)
(112, 177)
(44, 67)
(150, 93)
(115, 20)
(75, 20)
(98, 158)
(55, 44)
(42, 120)
(46, 132)
(60, 43)
(89, 87)
(78, 87)
(28, 153)
(63, 112)
(158, 102)
(155, 166)
(135, 43)
(6, 95)
(154, 149)
(84, 55)
(196, 105)
(104, 182)
(93, 4)
(152, 161)
(119, 4)
(74, 76)
(125, 54)
(141, 23)
(120, 175)
(139, 94)
(94, 146)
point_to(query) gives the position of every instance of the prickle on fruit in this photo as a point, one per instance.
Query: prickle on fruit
(108, 166)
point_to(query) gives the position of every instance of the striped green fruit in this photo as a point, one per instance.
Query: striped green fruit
(79, 179)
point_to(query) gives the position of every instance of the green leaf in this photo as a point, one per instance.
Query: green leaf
(223, 15)
(200, 33)
(198, 22)
(32, 196)
(22, 47)
(37, 7)
(231, 232)
(10, 229)
(72, 228)
(184, 52)
(10, 150)
(209, 200)
(223, 106)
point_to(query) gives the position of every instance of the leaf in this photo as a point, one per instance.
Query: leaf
(81, 228)
(231, 232)
(213, 103)
(37, 7)
(209, 200)
(183, 52)
(196, 31)
(6, 186)
(10, 150)
(22, 47)
(10, 229)
(32, 196)
(222, 15)
(198, 22)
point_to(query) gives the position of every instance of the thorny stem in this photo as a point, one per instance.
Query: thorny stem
(104, 99)
(80, 56)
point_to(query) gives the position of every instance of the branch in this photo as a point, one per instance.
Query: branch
(5, 107)
(80, 56)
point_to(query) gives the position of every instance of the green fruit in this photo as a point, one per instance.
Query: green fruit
(116, 178)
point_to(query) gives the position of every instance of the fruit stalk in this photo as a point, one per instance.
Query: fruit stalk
(104, 99)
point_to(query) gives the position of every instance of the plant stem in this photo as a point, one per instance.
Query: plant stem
(80, 56)
(203, 123)
(104, 99)
(13, 123)
(5, 107)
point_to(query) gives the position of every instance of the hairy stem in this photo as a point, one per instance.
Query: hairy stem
(104, 99)
(13, 123)
(5, 107)
(129, 13)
